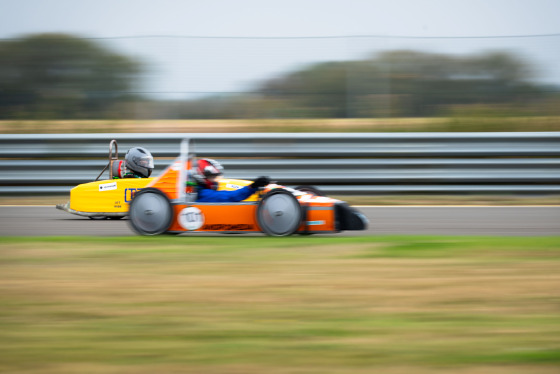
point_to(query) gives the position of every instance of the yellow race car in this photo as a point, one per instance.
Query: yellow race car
(105, 199)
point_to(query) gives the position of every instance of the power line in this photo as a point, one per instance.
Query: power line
(372, 36)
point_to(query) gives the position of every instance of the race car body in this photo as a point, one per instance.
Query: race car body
(276, 210)
(167, 206)
(104, 199)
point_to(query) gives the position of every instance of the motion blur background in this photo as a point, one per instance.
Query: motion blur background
(248, 66)
(326, 305)
(178, 61)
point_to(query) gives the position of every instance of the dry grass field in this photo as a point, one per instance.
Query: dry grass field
(388, 304)
(442, 124)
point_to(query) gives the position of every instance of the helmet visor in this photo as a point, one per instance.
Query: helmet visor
(146, 162)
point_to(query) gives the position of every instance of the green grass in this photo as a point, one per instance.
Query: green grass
(279, 305)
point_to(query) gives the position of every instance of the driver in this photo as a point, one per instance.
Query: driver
(138, 163)
(207, 174)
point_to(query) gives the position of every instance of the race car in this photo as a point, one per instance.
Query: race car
(168, 205)
(105, 199)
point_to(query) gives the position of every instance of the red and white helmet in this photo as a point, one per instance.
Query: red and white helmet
(205, 168)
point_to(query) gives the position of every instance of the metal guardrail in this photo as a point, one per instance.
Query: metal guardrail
(346, 163)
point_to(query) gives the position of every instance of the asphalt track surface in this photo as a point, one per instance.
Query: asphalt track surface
(424, 220)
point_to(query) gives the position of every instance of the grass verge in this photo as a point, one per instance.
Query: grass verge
(279, 305)
(460, 123)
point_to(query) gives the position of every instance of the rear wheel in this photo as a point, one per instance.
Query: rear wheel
(151, 212)
(279, 213)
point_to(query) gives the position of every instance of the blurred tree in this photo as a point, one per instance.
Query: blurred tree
(61, 76)
(404, 83)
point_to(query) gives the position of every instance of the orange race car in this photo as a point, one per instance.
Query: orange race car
(168, 205)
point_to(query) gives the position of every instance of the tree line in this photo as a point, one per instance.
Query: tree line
(57, 76)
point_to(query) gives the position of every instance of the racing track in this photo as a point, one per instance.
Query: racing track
(509, 221)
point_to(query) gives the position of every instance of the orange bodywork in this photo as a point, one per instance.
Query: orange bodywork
(167, 180)
(241, 217)
(229, 217)
(319, 214)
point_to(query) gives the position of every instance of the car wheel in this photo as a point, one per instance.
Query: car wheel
(279, 213)
(151, 212)
(96, 218)
(311, 190)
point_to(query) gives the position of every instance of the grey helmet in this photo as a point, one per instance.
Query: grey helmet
(140, 161)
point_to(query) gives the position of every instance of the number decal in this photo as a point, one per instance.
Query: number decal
(191, 218)
(129, 194)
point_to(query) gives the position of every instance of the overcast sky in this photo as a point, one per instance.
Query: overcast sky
(108, 18)
(205, 65)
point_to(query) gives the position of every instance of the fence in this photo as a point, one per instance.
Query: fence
(343, 163)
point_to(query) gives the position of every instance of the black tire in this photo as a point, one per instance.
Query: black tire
(97, 218)
(151, 212)
(279, 213)
(310, 189)
(115, 217)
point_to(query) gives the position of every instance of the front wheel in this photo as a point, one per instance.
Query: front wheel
(279, 213)
(151, 212)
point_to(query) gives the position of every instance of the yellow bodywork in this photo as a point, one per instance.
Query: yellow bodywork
(235, 184)
(112, 197)
(108, 196)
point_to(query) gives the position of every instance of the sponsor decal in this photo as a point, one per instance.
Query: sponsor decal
(228, 227)
(315, 223)
(108, 186)
(322, 199)
(129, 194)
(191, 218)
(233, 186)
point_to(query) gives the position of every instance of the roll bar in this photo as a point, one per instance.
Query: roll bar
(112, 158)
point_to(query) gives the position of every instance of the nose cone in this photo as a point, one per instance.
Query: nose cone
(348, 218)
